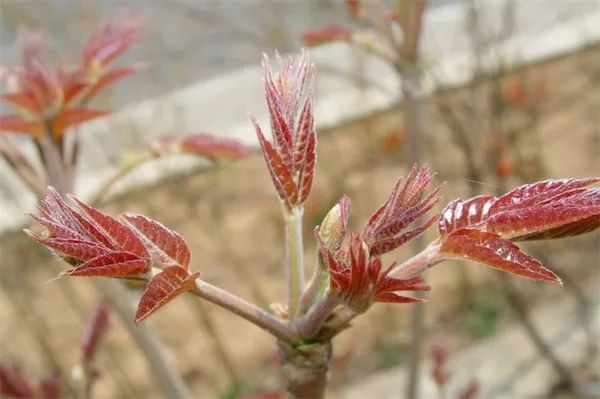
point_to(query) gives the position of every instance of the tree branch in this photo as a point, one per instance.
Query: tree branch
(245, 310)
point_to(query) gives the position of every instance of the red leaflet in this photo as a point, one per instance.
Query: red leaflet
(213, 147)
(73, 117)
(547, 209)
(59, 93)
(326, 34)
(22, 100)
(384, 246)
(120, 235)
(78, 249)
(404, 206)
(94, 330)
(112, 264)
(112, 39)
(163, 288)
(16, 124)
(493, 250)
(459, 213)
(165, 246)
(292, 156)
(358, 281)
(108, 78)
(280, 173)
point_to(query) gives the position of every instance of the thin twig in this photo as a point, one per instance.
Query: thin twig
(117, 175)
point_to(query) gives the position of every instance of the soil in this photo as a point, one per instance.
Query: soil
(232, 223)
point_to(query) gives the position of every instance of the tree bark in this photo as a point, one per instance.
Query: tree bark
(305, 369)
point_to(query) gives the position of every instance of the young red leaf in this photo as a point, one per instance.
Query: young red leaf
(326, 34)
(164, 245)
(75, 88)
(112, 39)
(77, 249)
(405, 205)
(547, 209)
(16, 124)
(390, 297)
(573, 212)
(281, 131)
(386, 245)
(213, 147)
(109, 78)
(64, 223)
(69, 118)
(22, 100)
(306, 175)
(164, 287)
(94, 330)
(492, 250)
(291, 158)
(112, 264)
(120, 235)
(529, 195)
(280, 174)
(459, 213)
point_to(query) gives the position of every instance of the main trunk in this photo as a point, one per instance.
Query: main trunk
(305, 369)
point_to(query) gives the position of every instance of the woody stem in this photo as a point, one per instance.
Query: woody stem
(310, 324)
(244, 309)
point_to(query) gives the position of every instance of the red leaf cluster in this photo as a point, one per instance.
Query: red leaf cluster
(291, 157)
(98, 244)
(357, 280)
(52, 99)
(385, 230)
(482, 228)
(356, 277)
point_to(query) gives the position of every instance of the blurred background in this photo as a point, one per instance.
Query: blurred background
(510, 94)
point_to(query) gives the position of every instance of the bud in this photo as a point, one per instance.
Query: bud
(333, 227)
